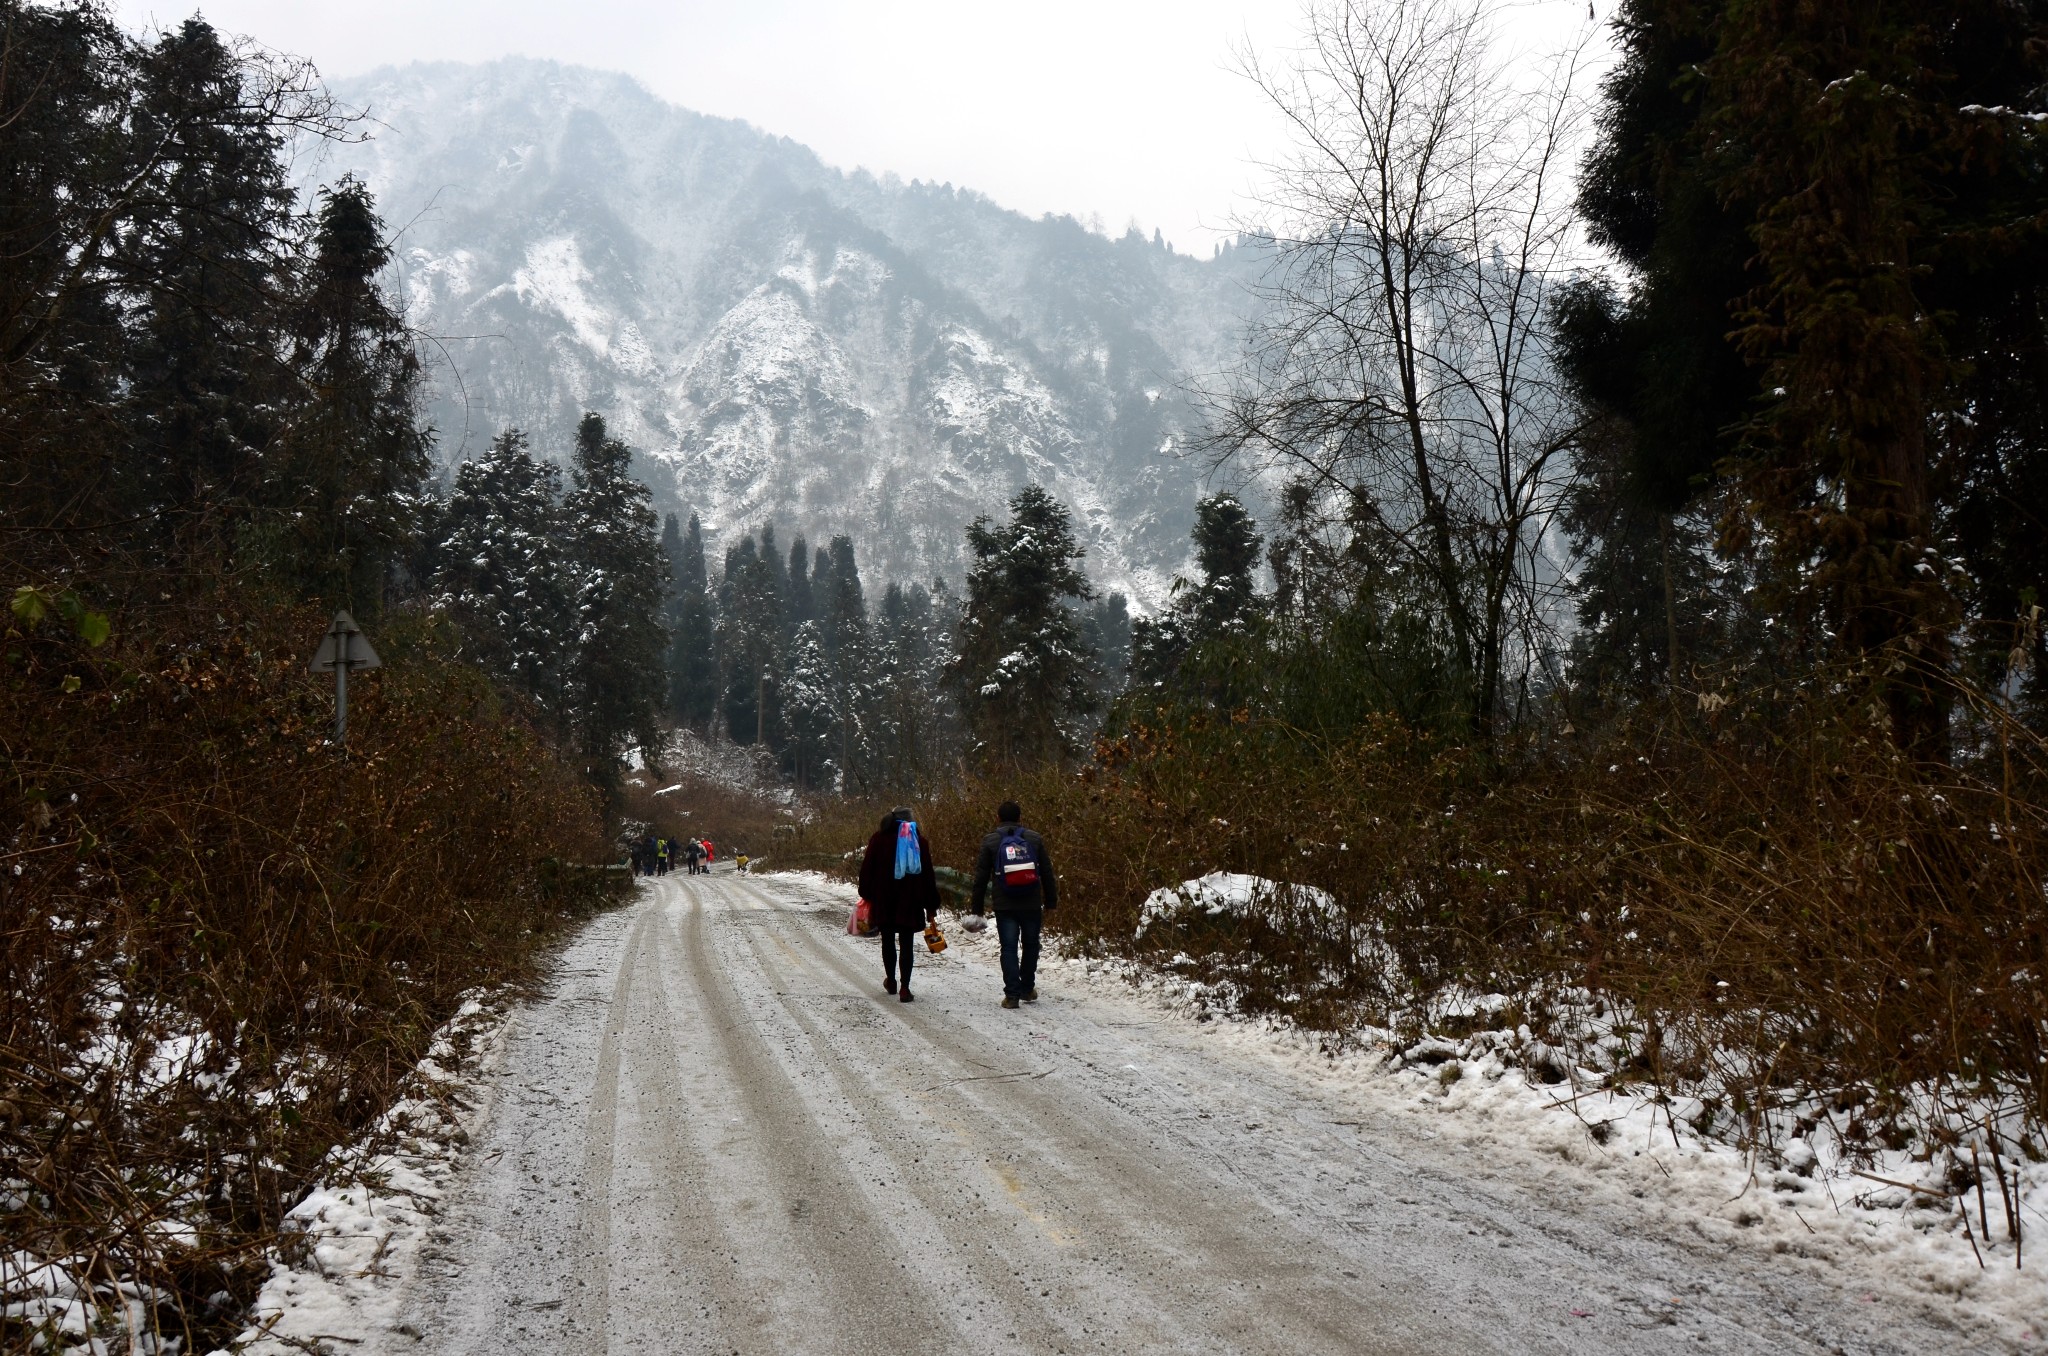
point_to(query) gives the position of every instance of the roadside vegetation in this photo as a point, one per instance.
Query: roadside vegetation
(1651, 657)
(224, 939)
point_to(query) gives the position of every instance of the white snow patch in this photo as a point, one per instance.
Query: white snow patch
(353, 1243)
(555, 278)
(1227, 893)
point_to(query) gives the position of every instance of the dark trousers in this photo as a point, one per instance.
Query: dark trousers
(891, 942)
(1019, 933)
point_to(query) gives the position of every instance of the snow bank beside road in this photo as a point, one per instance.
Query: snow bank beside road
(353, 1243)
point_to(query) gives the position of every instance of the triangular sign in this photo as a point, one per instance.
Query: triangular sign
(345, 646)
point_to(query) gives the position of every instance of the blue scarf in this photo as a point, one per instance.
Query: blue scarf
(909, 861)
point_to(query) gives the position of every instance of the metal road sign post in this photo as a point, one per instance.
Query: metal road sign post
(344, 647)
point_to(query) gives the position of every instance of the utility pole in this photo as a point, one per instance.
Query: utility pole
(342, 648)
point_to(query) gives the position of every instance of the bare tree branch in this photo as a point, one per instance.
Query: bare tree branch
(1403, 361)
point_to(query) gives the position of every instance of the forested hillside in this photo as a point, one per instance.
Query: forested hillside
(843, 353)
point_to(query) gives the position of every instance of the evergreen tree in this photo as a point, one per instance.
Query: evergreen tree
(206, 382)
(905, 722)
(1218, 607)
(821, 589)
(1831, 214)
(672, 552)
(1227, 547)
(1021, 668)
(622, 582)
(1645, 591)
(505, 575)
(1106, 628)
(351, 475)
(693, 648)
(750, 642)
(843, 623)
(1307, 568)
(810, 709)
(802, 606)
(772, 557)
(842, 605)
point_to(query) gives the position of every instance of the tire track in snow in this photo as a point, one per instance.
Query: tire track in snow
(593, 1245)
(871, 1294)
(887, 1133)
(689, 1291)
(1267, 1288)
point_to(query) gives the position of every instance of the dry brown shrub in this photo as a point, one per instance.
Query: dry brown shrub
(1767, 891)
(1796, 907)
(187, 859)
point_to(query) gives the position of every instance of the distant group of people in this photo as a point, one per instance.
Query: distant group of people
(654, 856)
(1013, 874)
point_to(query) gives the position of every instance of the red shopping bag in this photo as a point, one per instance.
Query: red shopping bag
(862, 921)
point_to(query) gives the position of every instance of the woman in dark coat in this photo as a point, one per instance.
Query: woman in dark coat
(899, 908)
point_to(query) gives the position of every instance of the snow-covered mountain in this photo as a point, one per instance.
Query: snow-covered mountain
(835, 352)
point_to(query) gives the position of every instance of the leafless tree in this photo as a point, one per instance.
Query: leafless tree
(1403, 363)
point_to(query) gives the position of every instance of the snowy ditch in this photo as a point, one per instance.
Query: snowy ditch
(348, 1245)
(354, 1240)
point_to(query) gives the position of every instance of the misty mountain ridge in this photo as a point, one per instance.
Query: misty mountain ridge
(780, 340)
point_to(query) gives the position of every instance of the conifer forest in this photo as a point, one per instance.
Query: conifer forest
(1614, 584)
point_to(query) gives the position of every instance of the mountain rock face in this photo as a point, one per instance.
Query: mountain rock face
(782, 341)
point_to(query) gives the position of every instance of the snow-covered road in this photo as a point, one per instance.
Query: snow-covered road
(717, 1134)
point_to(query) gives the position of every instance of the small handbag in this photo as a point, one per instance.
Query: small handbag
(934, 940)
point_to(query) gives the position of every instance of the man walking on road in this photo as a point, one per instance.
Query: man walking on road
(1014, 860)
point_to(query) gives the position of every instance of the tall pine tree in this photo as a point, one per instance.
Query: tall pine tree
(802, 606)
(810, 708)
(207, 382)
(1023, 673)
(621, 582)
(750, 642)
(1831, 214)
(348, 482)
(693, 647)
(506, 576)
(1215, 608)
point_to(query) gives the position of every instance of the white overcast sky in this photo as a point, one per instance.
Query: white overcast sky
(1126, 110)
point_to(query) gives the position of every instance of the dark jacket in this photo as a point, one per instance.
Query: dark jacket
(1047, 895)
(898, 905)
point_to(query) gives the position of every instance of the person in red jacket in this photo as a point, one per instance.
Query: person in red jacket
(902, 894)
